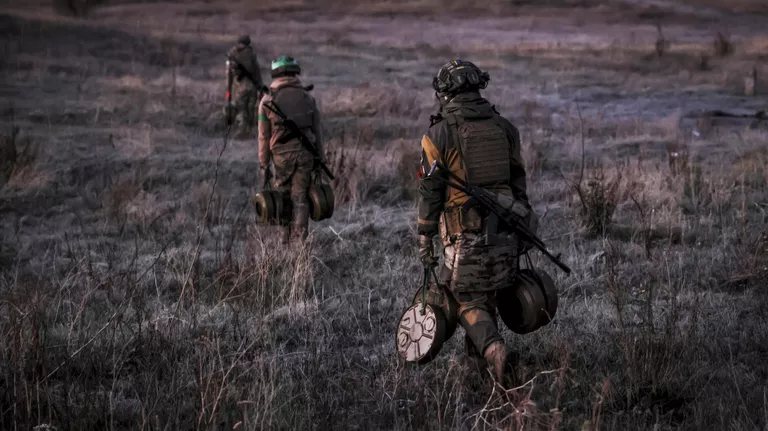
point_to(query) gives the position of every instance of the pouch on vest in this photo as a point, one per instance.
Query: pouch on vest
(471, 219)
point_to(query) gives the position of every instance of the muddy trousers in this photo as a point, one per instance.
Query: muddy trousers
(293, 174)
(477, 315)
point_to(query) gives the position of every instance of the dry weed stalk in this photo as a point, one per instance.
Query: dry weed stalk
(722, 45)
(662, 44)
(8, 156)
(599, 197)
(515, 407)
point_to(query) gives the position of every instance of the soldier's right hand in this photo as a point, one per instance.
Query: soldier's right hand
(426, 251)
(317, 164)
(266, 177)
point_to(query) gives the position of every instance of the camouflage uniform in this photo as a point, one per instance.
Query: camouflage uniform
(247, 85)
(462, 137)
(293, 164)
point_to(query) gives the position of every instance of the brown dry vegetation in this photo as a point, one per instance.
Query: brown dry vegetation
(136, 292)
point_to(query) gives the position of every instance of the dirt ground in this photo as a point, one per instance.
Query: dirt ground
(137, 291)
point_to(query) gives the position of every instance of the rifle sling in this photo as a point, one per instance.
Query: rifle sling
(293, 132)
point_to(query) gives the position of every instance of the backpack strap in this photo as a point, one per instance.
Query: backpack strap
(453, 134)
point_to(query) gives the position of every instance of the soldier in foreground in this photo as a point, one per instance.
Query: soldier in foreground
(248, 85)
(293, 163)
(480, 256)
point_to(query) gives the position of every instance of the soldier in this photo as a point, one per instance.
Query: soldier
(482, 147)
(293, 164)
(248, 85)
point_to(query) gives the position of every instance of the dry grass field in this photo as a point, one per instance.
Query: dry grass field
(137, 292)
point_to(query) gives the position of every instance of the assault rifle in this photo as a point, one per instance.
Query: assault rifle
(295, 131)
(499, 205)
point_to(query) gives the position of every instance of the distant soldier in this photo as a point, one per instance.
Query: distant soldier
(293, 163)
(480, 256)
(247, 84)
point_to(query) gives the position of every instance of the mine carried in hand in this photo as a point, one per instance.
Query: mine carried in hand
(428, 322)
(321, 200)
(529, 303)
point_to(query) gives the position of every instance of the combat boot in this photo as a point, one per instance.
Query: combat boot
(497, 355)
(473, 360)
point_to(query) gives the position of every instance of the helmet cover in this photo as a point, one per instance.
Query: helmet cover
(285, 65)
(459, 76)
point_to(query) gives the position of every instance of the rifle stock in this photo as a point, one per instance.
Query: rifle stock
(488, 200)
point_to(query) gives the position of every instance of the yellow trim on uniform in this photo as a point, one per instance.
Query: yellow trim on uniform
(453, 161)
(430, 150)
(428, 222)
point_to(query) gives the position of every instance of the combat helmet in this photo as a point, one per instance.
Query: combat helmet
(458, 76)
(285, 65)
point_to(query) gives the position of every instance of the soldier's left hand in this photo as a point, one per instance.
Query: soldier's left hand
(426, 251)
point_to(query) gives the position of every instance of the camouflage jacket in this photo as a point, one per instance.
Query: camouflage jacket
(435, 197)
(297, 104)
(245, 58)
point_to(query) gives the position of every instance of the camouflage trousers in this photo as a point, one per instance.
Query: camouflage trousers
(293, 175)
(474, 273)
(245, 99)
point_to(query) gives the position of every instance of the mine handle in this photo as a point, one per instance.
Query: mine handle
(294, 128)
(430, 271)
(482, 197)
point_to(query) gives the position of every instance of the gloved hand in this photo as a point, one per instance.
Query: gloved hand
(427, 251)
(533, 225)
(266, 176)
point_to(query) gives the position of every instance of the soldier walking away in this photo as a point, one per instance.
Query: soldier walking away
(247, 86)
(480, 255)
(293, 164)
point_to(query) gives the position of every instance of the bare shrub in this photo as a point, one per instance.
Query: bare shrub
(345, 163)
(8, 156)
(722, 45)
(19, 155)
(751, 169)
(598, 202)
(703, 62)
(750, 83)
(118, 197)
(662, 44)
(535, 156)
